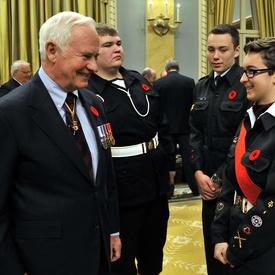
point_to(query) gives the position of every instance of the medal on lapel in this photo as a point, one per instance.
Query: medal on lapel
(110, 133)
(103, 136)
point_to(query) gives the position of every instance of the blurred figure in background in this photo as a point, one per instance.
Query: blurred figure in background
(20, 72)
(150, 75)
(163, 73)
(176, 91)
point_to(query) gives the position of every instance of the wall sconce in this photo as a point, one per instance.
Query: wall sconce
(160, 24)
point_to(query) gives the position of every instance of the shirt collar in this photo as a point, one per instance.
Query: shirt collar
(57, 94)
(223, 74)
(252, 117)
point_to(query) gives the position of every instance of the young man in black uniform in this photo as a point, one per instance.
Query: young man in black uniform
(141, 151)
(219, 106)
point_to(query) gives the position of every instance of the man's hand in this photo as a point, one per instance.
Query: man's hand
(115, 245)
(172, 175)
(220, 252)
(207, 188)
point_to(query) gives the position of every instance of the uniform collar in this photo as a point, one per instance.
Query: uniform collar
(266, 117)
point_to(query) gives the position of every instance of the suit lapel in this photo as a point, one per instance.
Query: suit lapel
(50, 122)
(87, 102)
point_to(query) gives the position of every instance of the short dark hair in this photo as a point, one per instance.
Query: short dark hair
(105, 29)
(226, 28)
(264, 46)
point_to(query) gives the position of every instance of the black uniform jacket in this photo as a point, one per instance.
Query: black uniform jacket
(214, 119)
(144, 177)
(257, 226)
(176, 91)
(53, 218)
(8, 86)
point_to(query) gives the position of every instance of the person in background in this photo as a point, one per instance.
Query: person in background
(20, 72)
(143, 155)
(58, 199)
(243, 228)
(176, 91)
(219, 106)
(150, 75)
(163, 73)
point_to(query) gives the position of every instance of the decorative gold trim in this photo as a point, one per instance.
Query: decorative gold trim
(202, 38)
(112, 13)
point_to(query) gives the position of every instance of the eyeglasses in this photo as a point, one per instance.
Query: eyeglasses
(25, 72)
(250, 73)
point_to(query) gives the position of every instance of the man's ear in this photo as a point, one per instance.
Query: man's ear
(51, 50)
(237, 51)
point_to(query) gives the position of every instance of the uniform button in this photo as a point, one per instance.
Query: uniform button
(96, 226)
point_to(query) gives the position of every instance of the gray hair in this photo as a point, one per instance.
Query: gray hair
(58, 28)
(16, 65)
(147, 71)
(172, 64)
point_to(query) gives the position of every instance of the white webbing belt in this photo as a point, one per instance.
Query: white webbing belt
(135, 150)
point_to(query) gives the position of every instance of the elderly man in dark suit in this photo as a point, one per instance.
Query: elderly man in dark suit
(20, 72)
(176, 91)
(58, 210)
(149, 74)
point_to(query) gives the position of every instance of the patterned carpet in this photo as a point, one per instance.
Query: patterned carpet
(184, 251)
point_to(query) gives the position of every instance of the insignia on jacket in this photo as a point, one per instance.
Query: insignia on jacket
(247, 230)
(270, 204)
(220, 206)
(239, 238)
(256, 221)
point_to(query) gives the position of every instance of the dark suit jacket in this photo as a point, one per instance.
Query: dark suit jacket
(53, 218)
(8, 86)
(176, 91)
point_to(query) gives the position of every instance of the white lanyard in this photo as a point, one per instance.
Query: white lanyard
(131, 100)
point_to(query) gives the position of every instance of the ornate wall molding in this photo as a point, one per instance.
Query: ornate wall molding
(202, 38)
(112, 17)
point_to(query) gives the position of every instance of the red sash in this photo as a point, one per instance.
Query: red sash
(249, 188)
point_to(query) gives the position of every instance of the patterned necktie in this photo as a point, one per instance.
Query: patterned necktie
(76, 130)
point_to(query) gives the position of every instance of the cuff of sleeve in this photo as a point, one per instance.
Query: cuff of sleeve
(232, 259)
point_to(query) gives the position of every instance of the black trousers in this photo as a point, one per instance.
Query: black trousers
(183, 142)
(143, 235)
(214, 267)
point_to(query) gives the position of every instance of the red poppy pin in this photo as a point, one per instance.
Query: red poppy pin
(254, 155)
(145, 87)
(94, 111)
(232, 95)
